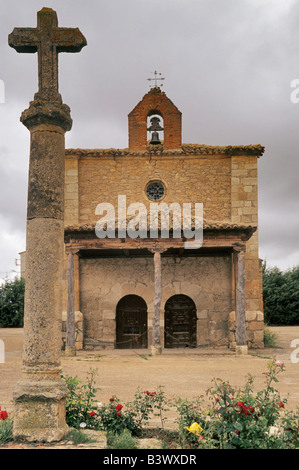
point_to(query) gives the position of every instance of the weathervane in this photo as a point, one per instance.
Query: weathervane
(156, 78)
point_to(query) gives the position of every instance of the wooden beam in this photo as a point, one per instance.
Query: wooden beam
(76, 244)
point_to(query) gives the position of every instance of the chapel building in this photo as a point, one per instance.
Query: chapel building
(209, 295)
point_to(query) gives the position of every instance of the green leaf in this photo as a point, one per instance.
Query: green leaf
(238, 426)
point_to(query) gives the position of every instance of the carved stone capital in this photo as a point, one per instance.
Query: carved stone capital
(238, 247)
(157, 249)
(47, 113)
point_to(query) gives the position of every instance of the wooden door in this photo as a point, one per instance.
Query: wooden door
(131, 323)
(180, 322)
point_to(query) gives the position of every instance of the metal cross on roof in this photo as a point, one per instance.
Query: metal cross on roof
(156, 78)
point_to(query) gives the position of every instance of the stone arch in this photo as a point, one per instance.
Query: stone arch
(131, 323)
(180, 322)
(155, 114)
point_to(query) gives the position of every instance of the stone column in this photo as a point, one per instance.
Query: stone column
(156, 347)
(241, 346)
(40, 396)
(70, 348)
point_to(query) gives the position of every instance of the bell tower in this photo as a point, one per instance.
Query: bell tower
(155, 113)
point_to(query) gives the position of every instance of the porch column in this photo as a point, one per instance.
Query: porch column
(241, 347)
(156, 347)
(70, 348)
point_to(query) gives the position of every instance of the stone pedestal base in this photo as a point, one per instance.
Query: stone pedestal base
(40, 411)
(241, 350)
(156, 350)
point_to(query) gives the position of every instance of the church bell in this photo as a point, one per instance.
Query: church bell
(154, 128)
(155, 138)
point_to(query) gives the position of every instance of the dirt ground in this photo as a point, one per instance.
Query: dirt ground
(181, 372)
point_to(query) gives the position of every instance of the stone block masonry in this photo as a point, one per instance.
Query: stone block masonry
(224, 179)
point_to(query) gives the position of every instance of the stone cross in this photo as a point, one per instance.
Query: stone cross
(40, 396)
(47, 40)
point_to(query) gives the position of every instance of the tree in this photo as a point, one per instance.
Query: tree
(12, 303)
(281, 296)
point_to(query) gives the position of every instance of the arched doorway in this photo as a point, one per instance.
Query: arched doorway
(180, 322)
(131, 323)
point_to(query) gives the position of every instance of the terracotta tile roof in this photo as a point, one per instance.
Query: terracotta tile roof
(186, 149)
(207, 225)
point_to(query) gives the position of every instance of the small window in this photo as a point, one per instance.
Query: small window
(155, 190)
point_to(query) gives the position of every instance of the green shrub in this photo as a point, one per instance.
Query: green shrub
(82, 409)
(115, 418)
(237, 418)
(189, 412)
(80, 404)
(240, 419)
(281, 296)
(78, 437)
(124, 440)
(149, 403)
(270, 338)
(12, 304)
(6, 434)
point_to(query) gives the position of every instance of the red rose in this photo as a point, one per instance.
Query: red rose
(118, 414)
(119, 407)
(237, 432)
(111, 399)
(216, 399)
(92, 413)
(280, 404)
(3, 415)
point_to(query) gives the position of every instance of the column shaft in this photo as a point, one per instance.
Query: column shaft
(156, 330)
(240, 300)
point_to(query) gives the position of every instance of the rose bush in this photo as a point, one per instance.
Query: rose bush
(234, 418)
(242, 419)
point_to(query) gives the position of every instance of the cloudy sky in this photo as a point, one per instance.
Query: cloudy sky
(228, 66)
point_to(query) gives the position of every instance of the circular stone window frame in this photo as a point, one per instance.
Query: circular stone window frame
(151, 182)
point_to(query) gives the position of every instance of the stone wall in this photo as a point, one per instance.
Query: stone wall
(244, 204)
(206, 280)
(224, 179)
(187, 178)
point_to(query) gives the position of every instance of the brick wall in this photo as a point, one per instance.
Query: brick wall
(155, 102)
